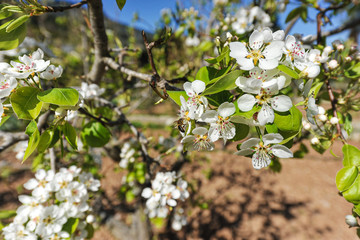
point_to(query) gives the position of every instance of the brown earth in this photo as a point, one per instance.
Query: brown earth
(300, 202)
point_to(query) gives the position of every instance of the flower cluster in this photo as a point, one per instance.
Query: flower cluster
(126, 155)
(165, 190)
(56, 198)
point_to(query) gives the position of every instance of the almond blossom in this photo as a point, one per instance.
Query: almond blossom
(263, 150)
(256, 53)
(220, 125)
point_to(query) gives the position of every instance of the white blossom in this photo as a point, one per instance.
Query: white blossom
(315, 141)
(198, 141)
(7, 85)
(256, 53)
(196, 103)
(52, 72)
(334, 120)
(264, 150)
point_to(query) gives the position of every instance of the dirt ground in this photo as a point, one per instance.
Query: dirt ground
(300, 202)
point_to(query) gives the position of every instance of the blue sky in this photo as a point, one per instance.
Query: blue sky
(149, 12)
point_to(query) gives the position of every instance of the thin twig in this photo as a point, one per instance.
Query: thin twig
(63, 8)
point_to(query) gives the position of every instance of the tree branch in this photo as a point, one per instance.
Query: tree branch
(100, 40)
(63, 8)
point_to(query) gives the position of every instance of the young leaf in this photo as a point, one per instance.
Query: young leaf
(288, 71)
(45, 141)
(121, 3)
(351, 155)
(34, 140)
(175, 95)
(346, 177)
(25, 103)
(94, 134)
(288, 121)
(60, 96)
(225, 83)
(71, 225)
(4, 13)
(70, 135)
(17, 23)
(13, 39)
(353, 193)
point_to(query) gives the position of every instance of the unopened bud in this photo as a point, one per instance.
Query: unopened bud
(348, 59)
(328, 50)
(353, 49)
(333, 64)
(90, 219)
(306, 125)
(336, 43)
(340, 47)
(321, 110)
(351, 221)
(334, 120)
(217, 41)
(314, 141)
(323, 118)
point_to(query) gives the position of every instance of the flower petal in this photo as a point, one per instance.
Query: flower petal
(188, 89)
(281, 103)
(245, 63)
(210, 116)
(214, 133)
(268, 64)
(200, 131)
(273, 50)
(146, 193)
(226, 109)
(249, 143)
(272, 138)
(246, 102)
(266, 115)
(256, 40)
(238, 50)
(245, 152)
(198, 86)
(260, 160)
(281, 151)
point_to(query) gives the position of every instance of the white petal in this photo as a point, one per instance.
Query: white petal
(31, 184)
(198, 86)
(271, 86)
(245, 63)
(200, 131)
(171, 202)
(273, 50)
(281, 151)
(249, 85)
(281, 103)
(272, 138)
(246, 102)
(279, 35)
(238, 50)
(214, 133)
(245, 152)
(210, 116)
(266, 115)
(188, 89)
(260, 161)
(256, 40)
(250, 143)
(226, 109)
(268, 63)
(188, 139)
(290, 42)
(146, 193)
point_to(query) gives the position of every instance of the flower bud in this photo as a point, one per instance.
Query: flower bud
(348, 59)
(340, 47)
(323, 118)
(321, 110)
(336, 43)
(333, 64)
(328, 50)
(306, 125)
(217, 41)
(314, 141)
(90, 219)
(334, 120)
(353, 49)
(351, 221)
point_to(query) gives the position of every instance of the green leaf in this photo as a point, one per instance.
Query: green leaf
(55, 137)
(4, 119)
(94, 134)
(348, 124)
(353, 72)
(60, 96)
(225, 83)
(353, 193)
(25, 103)
(288, 71)
(31, 128)
(121, 3)
(71, 225)
(90, 231)
(351, 155)
(288, 121)
(315, 89)
(5, 214)
(17, 23)
(175, 95)
(218, 98)
(33, 142)
(4, 13)
(294, 13)
(242, 130)
(346, 177)
(271, 128)
(70, 134)
(45, 140)
(13, 39)
(249, 114)
(218, 59)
